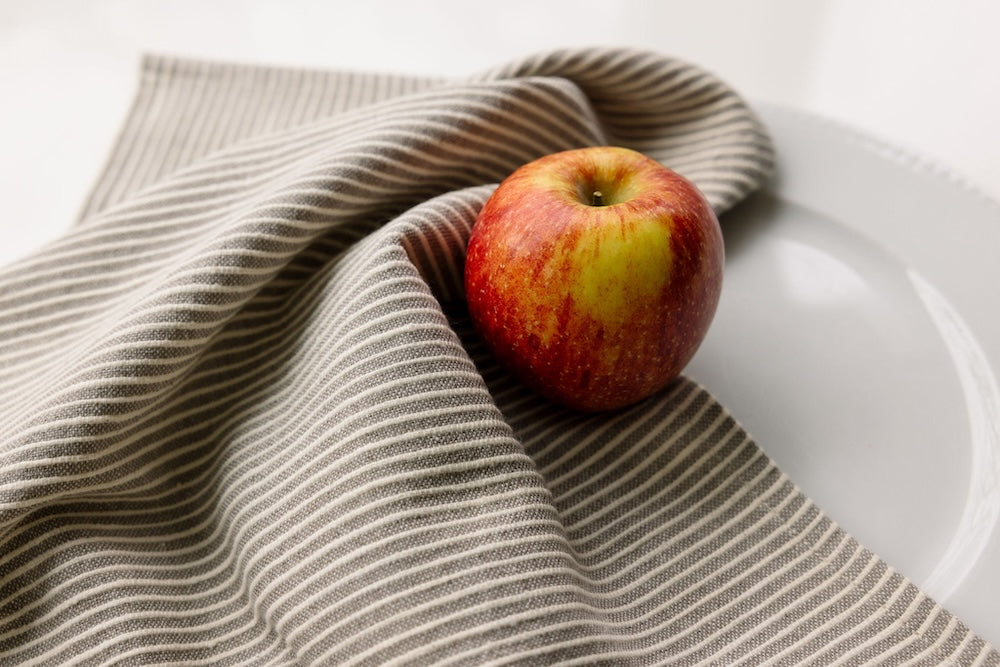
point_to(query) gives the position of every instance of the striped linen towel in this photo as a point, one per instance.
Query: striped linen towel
(245, 421)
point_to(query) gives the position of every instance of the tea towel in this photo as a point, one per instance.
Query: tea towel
(244, 419)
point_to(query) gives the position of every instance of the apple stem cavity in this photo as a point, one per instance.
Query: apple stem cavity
(597, 199)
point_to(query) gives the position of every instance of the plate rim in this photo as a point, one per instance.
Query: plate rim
(917, 166)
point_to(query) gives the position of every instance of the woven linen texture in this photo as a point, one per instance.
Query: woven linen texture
(245, 420)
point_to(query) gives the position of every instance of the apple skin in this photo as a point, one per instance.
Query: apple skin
(594, 306)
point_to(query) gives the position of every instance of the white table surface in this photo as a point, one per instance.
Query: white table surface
(921, 75)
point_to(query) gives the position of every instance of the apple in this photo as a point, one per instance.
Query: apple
(593, 274)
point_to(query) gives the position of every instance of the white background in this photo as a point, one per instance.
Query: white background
(923, 75)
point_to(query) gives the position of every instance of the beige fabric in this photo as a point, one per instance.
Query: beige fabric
(245, 421)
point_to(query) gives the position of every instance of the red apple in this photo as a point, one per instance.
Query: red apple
(594, 274)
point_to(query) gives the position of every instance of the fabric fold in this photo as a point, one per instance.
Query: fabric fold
(246, 421)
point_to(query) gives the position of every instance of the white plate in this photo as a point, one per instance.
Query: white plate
(858, 341)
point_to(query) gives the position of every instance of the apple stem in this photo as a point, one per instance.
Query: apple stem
(597, 198)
